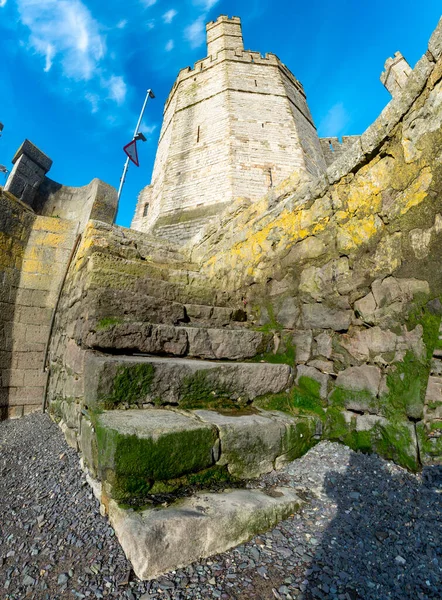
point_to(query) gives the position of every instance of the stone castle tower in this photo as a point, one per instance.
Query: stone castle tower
(234, 126)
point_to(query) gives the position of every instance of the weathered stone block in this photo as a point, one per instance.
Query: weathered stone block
(435, 43)
(320, 316)
(139, 447)
(158, 541)
(249, 444)
(110, 381)
(322, 379)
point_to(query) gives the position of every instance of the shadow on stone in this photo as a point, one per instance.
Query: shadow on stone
(386, 538)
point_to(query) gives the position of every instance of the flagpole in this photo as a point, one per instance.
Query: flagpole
(149, 94)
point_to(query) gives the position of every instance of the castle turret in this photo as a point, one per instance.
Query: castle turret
(224, 34)
(234, 126)
(396, 73)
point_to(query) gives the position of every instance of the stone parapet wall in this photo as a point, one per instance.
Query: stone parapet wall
(97, 200)
(41, 256)
(333, 148)
(16, 220)
(35, 250)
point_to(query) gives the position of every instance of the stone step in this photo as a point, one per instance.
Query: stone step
(158, 541)
(112, 381)
(136, 453)
(161, 339)
(131, 456)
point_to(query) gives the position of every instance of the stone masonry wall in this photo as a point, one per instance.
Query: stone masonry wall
(35, 250)
(16, 221)
(347, 270)
(97, 200)
(42, 259)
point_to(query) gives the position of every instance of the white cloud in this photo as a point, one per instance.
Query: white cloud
(122, 24)
(169, 16)
(69, 30)
(117, 89)
(205, 4)
(49, 56)
(94, 100)
(150, 24)
(334, 122)
(148, 129)
(196, 33)
(3, 3)
(148, 3)
(170, 45)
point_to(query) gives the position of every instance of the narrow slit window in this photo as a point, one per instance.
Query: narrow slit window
(198, 134)
(256, 83)
(270, 178)
(145, 209)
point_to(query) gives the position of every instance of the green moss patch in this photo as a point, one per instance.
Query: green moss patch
(131, 385)
(107, 323)
(341, 398)
(391, 440)
(132, 464)
(302, 399)
(200, 390)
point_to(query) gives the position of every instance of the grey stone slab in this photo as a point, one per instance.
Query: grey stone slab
(174, 379)
(249, 443)
(158, 541)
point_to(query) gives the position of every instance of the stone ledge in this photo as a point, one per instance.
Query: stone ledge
(160, 540)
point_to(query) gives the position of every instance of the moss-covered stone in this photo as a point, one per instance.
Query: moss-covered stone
(301, 399)
(131, 385)
(108, 322)
(201, 390)
(138, 448)
(394, 440)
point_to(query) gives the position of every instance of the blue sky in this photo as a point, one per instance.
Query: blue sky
(73, 73)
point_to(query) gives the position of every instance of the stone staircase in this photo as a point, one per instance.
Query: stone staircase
(171, 447)
(162, 404)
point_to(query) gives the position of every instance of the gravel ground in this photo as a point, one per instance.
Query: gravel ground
(369, 531)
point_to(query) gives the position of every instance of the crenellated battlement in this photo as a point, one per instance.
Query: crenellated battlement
(243, 56)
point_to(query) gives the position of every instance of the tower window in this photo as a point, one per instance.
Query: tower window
(269, 178)
(256, 83)
(145, 209)
(198, 134)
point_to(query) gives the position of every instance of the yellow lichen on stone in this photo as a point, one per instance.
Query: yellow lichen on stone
(415, 193)
(358, 231)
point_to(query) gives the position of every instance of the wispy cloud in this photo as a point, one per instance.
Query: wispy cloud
(195, 32)
(148, 3)
(94, 100)
(148, 129)
(206, 5)
(2, 3)
(334, 122)
(117, 89)
(122, 24)
(170, 45)
(69, 30)
(169, 16)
